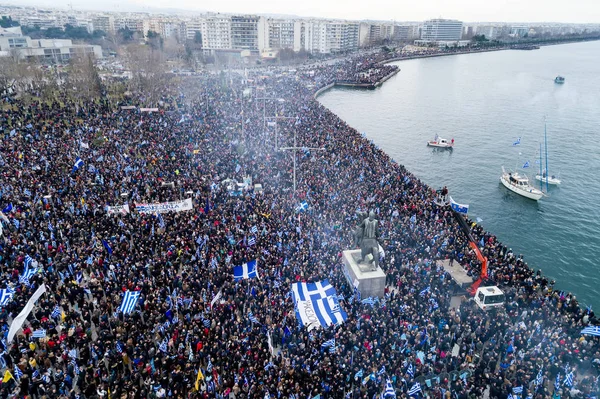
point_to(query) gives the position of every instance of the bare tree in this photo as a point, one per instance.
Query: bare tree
(83, 80)
(149, 75)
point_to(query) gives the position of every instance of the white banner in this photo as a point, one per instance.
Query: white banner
(128, 107)
(118, 209)
(175, 206)
(148, 109)
(215, 299)
(20, 319)
(308, 315)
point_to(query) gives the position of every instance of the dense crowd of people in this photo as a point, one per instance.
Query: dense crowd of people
(195, 332)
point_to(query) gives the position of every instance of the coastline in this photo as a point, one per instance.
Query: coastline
(380, 82)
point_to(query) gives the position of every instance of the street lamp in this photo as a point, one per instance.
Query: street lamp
(276, 135)
(294, 148)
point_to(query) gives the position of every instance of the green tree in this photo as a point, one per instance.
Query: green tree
(7, 22)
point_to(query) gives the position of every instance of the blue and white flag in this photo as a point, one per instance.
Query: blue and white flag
(161, 221)
(78, 164)
(358, 374)
(253, 318)
(517, 141)
(18, 372)
(254, 229)
(329, 343)
(246, 271)
(557, 382)
(416, 388)
(129, 301)
(410, 371)
(459, 208)
(55, 312)
(569, 380)
(302, 207)
(317, 304)
(6, 295)
(381, 370)
(163, 345)
(591, 330)
(389, 390)
(539, 379)
(518, 390)
(39, 333)
(251, 241)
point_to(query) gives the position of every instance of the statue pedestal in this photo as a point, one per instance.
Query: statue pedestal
(370, 283)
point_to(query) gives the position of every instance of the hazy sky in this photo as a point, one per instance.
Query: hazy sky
(574, 11)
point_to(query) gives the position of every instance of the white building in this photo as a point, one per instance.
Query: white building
(447, 30)
(216, 32)
(104, 23)
(45, 50)
(329, 36)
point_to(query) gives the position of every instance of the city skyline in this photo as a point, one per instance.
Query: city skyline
(534, 11)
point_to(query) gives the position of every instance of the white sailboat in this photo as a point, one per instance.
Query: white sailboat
(544, 176)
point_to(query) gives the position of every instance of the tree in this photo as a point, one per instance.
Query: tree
(198, 38)
(7, 22)
(125, 34)
(148, 68)
(154, 39)
(83, 80)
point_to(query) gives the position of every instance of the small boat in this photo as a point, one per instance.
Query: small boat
(519, 184)
(559, 79)
(548, 179)
(440, 142)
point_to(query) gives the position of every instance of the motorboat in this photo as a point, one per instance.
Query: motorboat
(439, 142)
(519, 184)
(559, 79)
(548, 179)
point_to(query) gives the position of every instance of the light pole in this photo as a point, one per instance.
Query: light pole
(276, 135)
(265, 107)
(294, 148)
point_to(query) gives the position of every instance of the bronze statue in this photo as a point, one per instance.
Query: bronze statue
(365, 236)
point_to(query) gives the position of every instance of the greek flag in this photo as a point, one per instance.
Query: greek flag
(557, 382)
(26, 192)
(209, 367)
(6, 295)
(251, 241)
(389, 390)
(539, 379)
(415, 389)
(459, 208)
(329, 344)
(163, 345)
(569, 380)
(18, 372)
(302, 207)
(55, 312)
(368, 301)
(358, 374)
(39, 333)
(245, 271)
(518, 390)
(592, 330)
(381, 370)
(28, 261)
(129, 301)
(317, 304)
(161, 221)
(253, 318)
(119, 347)
(424, 292)
(410, 371)
(78, 164)
(254, 230)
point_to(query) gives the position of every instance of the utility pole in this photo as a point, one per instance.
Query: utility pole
(277, 118)
(294, 148)
(265, 108)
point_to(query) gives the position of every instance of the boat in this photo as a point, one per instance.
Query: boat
(544, 176)
(519, 184)
(439, 142)
(559, 79)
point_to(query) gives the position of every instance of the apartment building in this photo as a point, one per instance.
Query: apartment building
(244, 32)
(105, 23)
(436, 30)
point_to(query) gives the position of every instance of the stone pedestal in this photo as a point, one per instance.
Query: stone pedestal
(370, 283)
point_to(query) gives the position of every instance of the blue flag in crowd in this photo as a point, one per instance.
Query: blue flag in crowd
(317, 304)
(78, 164)
(302, 207)
(459, 208)
(107, 246)
(129, 301)
(389, 390)
(6, 295)
(245, 271)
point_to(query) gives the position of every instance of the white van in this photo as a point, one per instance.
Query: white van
(489, 297)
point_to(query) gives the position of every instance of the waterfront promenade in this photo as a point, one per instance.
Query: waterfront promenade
(197, 332)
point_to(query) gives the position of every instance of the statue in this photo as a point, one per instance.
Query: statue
(365, 236)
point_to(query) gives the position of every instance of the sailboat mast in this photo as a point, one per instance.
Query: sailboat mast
(541, 174)
(546, 150)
